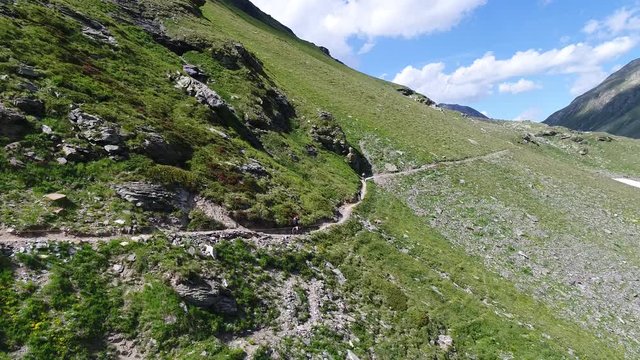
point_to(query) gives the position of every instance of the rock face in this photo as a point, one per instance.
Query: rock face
(465, 110)
(273, 111)
(206, 294)
(613, 106)
(94, 129)
(153, 197)
(13, 125)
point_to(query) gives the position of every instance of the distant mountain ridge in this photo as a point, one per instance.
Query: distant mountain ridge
(613, 106)
(464, 109)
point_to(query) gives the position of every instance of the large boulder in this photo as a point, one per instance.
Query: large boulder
(13, 124)
(206, 294)
(94, 129)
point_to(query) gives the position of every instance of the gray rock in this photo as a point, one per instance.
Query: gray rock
(94, 129)
(62, 161)
(30, 106)
(113, 150)
(584, 152)
(101, 34)
(28, 71)
(206, 294)
(445, 342)
(529, 138)
(201, 92)
(152, 197)
(30, 87)
(47, 130)
(14, 147)
(234, 56)
(331, 137)
(13, 125)
(156, 147)
(195, 72)
(254, 168)
(547, 133)
(272, 111)
(75, 152)
(15, 163)
(311, 150)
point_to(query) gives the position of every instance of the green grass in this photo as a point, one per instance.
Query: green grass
(406, 275)
(410, 292)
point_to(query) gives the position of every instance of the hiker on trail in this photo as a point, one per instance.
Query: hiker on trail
(296, 224)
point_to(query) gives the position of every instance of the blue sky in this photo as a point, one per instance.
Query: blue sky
(520, 59)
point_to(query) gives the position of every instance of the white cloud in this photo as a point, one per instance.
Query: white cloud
(621, 21)
(530, 114)
(332, 23)
(522, 85)
(478, 80)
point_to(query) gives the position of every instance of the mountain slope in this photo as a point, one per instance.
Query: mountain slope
(155, 152)
(469, 111)
(613, 106)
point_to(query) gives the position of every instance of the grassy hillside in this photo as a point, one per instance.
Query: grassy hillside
(526, 253)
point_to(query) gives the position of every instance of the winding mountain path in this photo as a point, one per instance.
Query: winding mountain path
(345, 211)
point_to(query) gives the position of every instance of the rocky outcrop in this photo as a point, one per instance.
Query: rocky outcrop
(91, 28)
(30, 106)
(234, 56)
(151, 197)
(254, 168)
(13, 125)
(195, 72)
(410, 93)
(75, 153)
(148, 15)
(332, 138)
(94, 129)
(201, 92)
(272, 112)
(206, 294)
